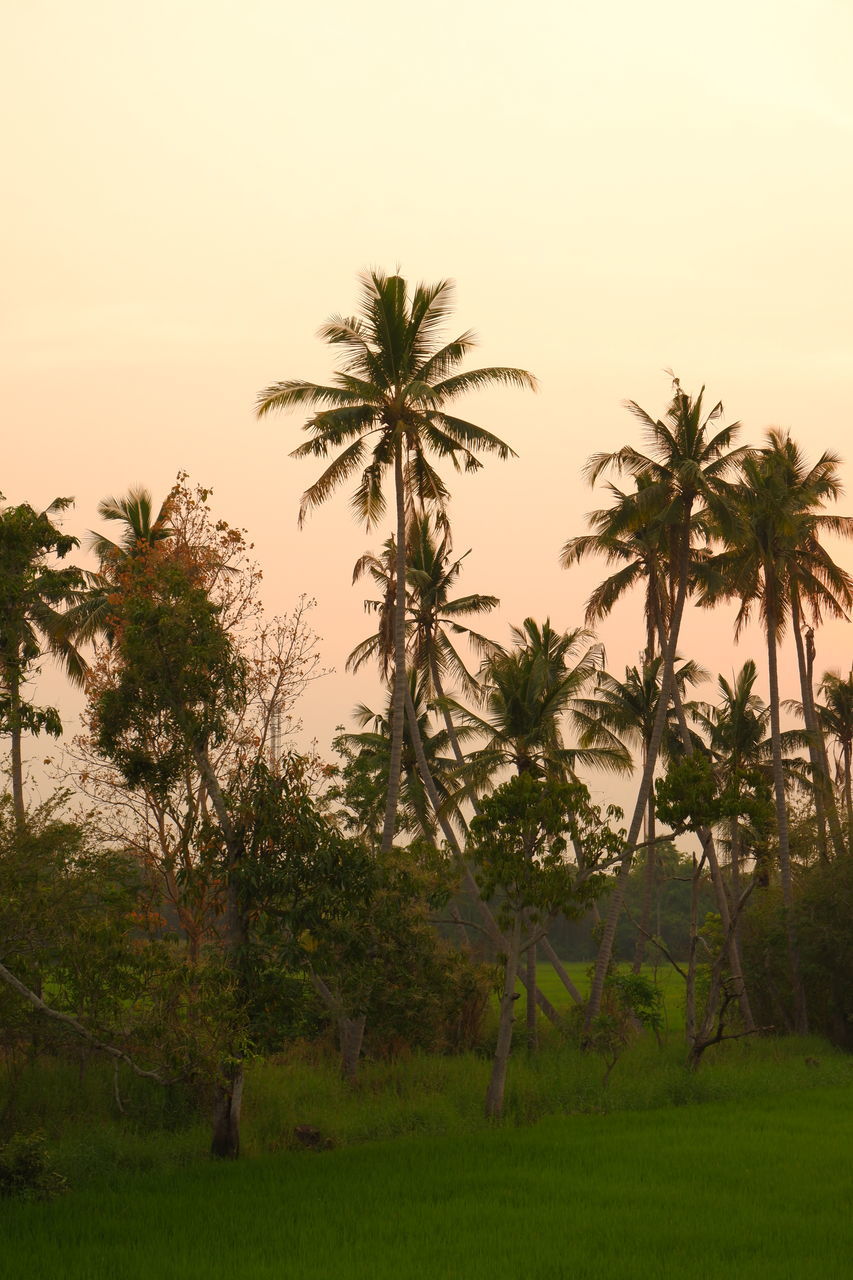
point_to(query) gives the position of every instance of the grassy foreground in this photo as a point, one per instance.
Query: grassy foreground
(747, 1189)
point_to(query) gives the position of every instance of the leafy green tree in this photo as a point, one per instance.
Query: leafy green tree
(182, 707)
(521, 841)
(34, 595)
(386, 411)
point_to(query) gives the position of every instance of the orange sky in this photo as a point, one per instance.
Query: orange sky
(191, 188)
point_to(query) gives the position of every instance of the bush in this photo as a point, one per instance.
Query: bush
(26, 1171)
(822, 913)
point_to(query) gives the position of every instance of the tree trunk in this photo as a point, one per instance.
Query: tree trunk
(617, 897)
(848, 795)
(690, 994)
(557, 965)
(400, 680)
(226, 1119)
(532, 1035)
(800, 1015)
(825, 805)
(709, 848)
(497, 1083)
(648, 889)
(350, 1040)
(446, 716)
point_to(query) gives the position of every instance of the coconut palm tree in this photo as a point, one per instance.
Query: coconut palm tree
(525, 693)
(770, 527)
(835, 716)
(432, 615)
(93, 614)
(34, 598)
(367, 751)
(629, 533)
(688, 465)
(386, 410)
(737, 739)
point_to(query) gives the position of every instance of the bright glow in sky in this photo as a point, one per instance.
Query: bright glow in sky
(191, 187)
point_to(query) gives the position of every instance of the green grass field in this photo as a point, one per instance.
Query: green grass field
(740, 1170)
(739, 1189)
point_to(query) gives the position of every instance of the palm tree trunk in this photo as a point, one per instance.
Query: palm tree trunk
(617, 897)
(648, 888)
(690, 994)
(848, 794)
(800, 1014)
(446, 716)
(399, 698)
(710, 850)
(532, 1034)
(825, 806)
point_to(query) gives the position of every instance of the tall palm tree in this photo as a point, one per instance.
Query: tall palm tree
(386, 411)
(688, 464)
(626, 710)
(34, 597)
(770, 526)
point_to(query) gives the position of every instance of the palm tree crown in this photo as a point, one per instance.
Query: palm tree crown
(526, 690)
(432, 612)
(391, 392)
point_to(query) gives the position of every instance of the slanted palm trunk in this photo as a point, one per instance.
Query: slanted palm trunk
(847, 750)
(800, 1015)
(709, 849)
(398, 702)
(617, 897)
(825, 807)
(648, 888)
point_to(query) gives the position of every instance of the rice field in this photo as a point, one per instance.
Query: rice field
(737, 1189)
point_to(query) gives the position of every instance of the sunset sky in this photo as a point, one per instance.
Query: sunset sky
(617, 189)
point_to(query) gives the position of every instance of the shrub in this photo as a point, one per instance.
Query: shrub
(26, 1171)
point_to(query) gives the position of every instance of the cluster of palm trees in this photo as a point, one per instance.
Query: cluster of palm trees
(696, 516)
(701, 518)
